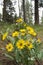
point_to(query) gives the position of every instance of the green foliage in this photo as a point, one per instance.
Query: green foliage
(24, 55)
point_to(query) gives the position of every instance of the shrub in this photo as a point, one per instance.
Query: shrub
(22, 43)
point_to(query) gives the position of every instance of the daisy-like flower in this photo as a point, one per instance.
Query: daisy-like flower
(27, 43)
(20, 44)
(30, 46)
(29, 28)
(19, 20)
(9, 47)
(31, 31)
(15, 34)
(23, 31)
(34, 34)
(4, 36)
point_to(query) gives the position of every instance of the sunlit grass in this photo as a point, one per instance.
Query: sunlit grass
(38, 27)
(5, 25)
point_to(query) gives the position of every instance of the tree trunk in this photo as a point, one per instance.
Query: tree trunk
(24, 16)
(4, 10)
(36, 12)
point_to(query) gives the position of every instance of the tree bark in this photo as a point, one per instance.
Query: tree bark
(36, 12)
(24, 16)
(4, 10)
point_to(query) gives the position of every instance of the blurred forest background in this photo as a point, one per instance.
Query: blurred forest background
(30, 10)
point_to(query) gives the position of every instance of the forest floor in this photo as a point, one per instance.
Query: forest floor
(38, 28)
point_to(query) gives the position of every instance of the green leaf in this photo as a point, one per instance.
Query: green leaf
(17, 56)
(11, 39)
(9, 56)
(40, 55)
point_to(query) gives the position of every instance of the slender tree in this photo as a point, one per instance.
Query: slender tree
(24, 16)
(36, 12)
(4, 10)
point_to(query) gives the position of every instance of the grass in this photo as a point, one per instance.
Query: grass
(5, 25)
(38, 28)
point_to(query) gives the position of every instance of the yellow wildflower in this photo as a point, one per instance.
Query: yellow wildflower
(27, 43)
(20, 44)
(23, 31)
(4, 36)
(22, 34)
(31, 31)
(9, 47)
(15, 34)
(30, 46)
(34, 34)
(38, 40)
(29, 28)
(19, 20)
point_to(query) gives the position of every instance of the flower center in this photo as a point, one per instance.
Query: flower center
(20, 44)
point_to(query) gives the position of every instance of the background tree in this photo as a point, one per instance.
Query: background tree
(23, 6)
(40, 3)
(0, 17)
(8, 11)
(28, 8)
(36, 12)
(4, 10)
